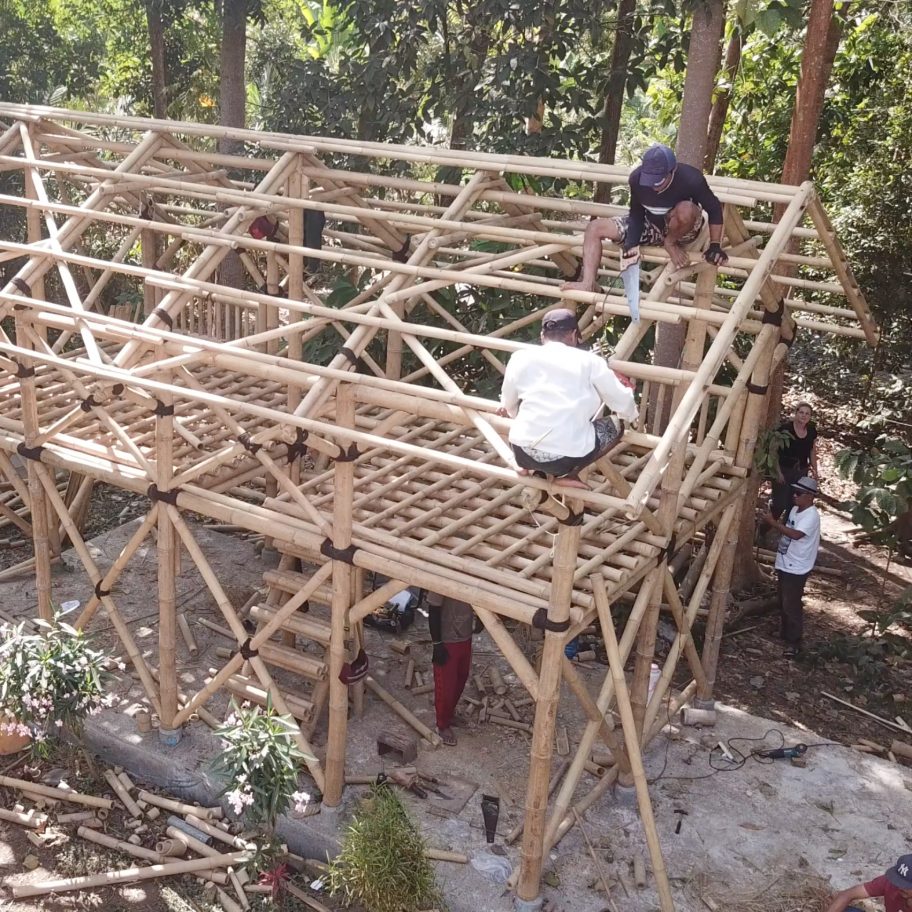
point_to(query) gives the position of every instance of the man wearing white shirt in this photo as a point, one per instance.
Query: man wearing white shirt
(796, 556)
(555, 393)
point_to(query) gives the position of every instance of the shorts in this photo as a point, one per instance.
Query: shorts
(653, 235)
(534, 460)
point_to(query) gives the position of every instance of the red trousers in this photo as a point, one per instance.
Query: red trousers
(450, 680)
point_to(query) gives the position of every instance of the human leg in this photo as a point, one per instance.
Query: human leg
(680, 224)
(791, 606)
(448, 687)
(597, 231)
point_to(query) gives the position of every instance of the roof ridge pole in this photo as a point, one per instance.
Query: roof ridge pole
(563, 567)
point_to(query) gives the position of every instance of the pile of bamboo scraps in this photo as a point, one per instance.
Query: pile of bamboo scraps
(168, 836)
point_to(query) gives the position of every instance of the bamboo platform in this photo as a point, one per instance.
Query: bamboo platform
(357, 430)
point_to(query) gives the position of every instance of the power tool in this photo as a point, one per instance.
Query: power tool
(783, 753)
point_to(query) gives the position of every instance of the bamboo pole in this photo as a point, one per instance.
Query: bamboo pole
(529, 885)
(119, 845)
(632, 743)
(48, 791)
(128, 875)
(405, 714)
(341, 605)
(37, 501)
(167, 593)
(180, 807)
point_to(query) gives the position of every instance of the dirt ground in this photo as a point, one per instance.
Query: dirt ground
(740, 827)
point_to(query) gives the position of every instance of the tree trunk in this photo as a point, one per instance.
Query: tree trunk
(703, 58)
(232, 113)
(820, 45)
(232, 86)
(613, 105)
(723, 99)
(156, 27)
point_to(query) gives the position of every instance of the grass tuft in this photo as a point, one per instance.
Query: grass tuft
(383, 864)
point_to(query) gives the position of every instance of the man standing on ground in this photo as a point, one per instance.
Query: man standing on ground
(894, 886)
(667, 202)
(796, 556)
(555, 393)
(451, 623)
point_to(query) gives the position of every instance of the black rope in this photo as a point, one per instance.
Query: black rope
(162, 410)
(573, 519)
(164, 316)
(24, 371)
(89, 403)
(356, 362)
(774, 316)
(168, 497)
(247, 651)
(298, 448)
(757, 389)
(401, 255)
(246, 441)
(99, 592)
(347, 555)
(541, 621)
(349, 455)
(22, 286)
(30, 452)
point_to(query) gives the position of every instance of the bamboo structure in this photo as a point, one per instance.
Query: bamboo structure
(353, 424)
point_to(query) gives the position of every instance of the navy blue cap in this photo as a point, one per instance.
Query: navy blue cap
(658, 162)
(900, 875)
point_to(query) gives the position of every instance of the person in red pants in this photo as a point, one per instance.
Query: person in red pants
(451, 623)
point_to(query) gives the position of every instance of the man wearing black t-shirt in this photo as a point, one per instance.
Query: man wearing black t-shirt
(667, 202)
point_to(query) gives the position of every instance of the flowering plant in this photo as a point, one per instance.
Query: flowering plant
(47, 680)
(260, 763)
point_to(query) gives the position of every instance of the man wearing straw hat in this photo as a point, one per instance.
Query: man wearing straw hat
(667, 202)
(799, 543)
(894, 886)
(555, 393)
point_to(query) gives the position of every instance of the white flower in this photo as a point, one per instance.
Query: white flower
(301, 801)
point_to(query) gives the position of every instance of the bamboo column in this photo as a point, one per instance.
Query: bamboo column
(632, 741)
(167, 552)
(37, 501)
(344, 475)
(563, 567)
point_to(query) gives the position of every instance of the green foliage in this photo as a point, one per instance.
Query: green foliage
(887, 639)
(259, 763)
(766, 453)
(883, 473)
(383, 865)
(48, 680)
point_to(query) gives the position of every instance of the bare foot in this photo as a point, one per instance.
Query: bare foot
(577, 286)
(570, 482)
(447, 736)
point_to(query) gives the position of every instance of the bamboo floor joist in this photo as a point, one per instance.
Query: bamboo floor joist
(363, 438)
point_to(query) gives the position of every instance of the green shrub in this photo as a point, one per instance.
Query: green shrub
(383, 864)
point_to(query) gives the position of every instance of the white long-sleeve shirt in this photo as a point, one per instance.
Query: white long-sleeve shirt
(554, 391)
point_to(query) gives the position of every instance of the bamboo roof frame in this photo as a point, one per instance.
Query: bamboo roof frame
(204, 397)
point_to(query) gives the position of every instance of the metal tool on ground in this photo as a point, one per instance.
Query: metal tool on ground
(490, 812)
(782, 753)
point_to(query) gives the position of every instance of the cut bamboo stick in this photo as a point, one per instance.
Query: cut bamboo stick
(48, 791)
(128, 875)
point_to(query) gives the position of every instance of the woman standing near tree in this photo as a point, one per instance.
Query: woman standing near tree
(797, 457)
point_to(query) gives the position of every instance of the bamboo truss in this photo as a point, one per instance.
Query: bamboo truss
(361, 438)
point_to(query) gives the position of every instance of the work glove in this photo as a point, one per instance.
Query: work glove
(715, 255)
(441, 654)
